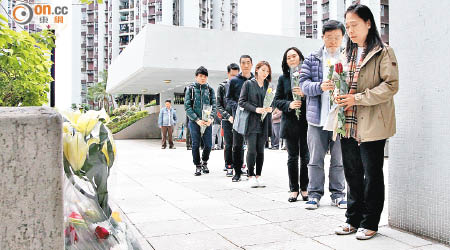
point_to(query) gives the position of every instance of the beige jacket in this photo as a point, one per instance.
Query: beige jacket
(377, 85)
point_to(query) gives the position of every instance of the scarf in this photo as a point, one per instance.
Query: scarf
(351, 122)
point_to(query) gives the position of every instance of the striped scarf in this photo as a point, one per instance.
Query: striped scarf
(351, 122)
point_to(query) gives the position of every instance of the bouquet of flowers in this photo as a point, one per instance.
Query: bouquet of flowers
(268, 99)
(88, 155)
(206, 116)
(295, 85)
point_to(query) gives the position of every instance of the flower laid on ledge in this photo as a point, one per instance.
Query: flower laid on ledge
(89, 150)
(89, 153)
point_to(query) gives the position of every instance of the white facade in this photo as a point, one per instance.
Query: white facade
(190, 13)
(290, 18)
(156, 55)
(419, 173)
(75, 28)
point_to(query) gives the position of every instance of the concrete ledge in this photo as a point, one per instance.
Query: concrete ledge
(31, 195)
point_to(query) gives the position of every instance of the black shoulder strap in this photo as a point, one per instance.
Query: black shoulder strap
(191, 88)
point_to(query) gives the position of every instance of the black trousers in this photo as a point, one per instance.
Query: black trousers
(255, 153)
(297, 147)
(238, 152)
(228, 141)
(363, 168)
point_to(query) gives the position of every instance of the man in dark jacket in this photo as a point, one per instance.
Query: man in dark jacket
(233, 94)
(197, 96)
(227, 118)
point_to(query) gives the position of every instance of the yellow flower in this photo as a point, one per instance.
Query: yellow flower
(105, 152)
(66, 127)
(105, 149)
(269, 90)
(75, 150)
(116, 216)
(86, 122)
(72, 116)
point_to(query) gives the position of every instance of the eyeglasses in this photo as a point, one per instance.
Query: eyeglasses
(336, 39)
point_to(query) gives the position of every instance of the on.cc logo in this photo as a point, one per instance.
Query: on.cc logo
(22, 13)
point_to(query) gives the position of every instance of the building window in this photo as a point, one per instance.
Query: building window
(325, 8)
(382, 10)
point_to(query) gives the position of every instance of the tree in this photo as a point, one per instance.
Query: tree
(24, 66)
(97, 93)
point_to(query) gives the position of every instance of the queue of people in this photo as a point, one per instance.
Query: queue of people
(300, 114)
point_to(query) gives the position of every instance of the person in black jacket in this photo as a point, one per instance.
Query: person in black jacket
(227, 118)
(257, 132)
(294, 130)
(234, 91)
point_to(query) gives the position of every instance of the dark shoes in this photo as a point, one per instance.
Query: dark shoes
(236, 178)
(189, 148)
(172, 147)
(198, 170)
(205, 168)
(293, 198)
(304, 197)
(163, 147)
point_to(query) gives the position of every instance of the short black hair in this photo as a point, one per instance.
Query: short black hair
(245, 56)
(169, 101)
(233, 66)
(201, 70)
(333, 25)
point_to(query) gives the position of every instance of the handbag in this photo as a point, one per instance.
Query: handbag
(241, 120)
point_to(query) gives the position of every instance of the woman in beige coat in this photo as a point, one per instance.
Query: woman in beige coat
(370, 120)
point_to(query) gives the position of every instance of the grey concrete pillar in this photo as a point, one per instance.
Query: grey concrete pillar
(31, 195)
(419, 157)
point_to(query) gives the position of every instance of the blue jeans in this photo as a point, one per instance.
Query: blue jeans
(196, 141)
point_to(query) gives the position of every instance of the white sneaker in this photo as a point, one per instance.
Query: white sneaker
(345, 229)
(365, 234)
(252, 182)
(260, 182)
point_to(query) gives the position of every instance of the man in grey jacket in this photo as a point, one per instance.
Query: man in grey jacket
(166, 121)
(316, 86)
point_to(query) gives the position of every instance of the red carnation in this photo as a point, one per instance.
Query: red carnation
(101, 232)
(339, 68)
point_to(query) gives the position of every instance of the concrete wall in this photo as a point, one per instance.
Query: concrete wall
(31, 201)
(419, 173)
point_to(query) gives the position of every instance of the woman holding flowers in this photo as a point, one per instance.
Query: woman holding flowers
(369, 120)
(255, 98)
(293, 122)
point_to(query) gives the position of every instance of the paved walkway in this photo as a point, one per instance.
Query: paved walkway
(173, 209)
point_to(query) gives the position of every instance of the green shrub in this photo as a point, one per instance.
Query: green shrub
(123, 123)
(152, 103)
